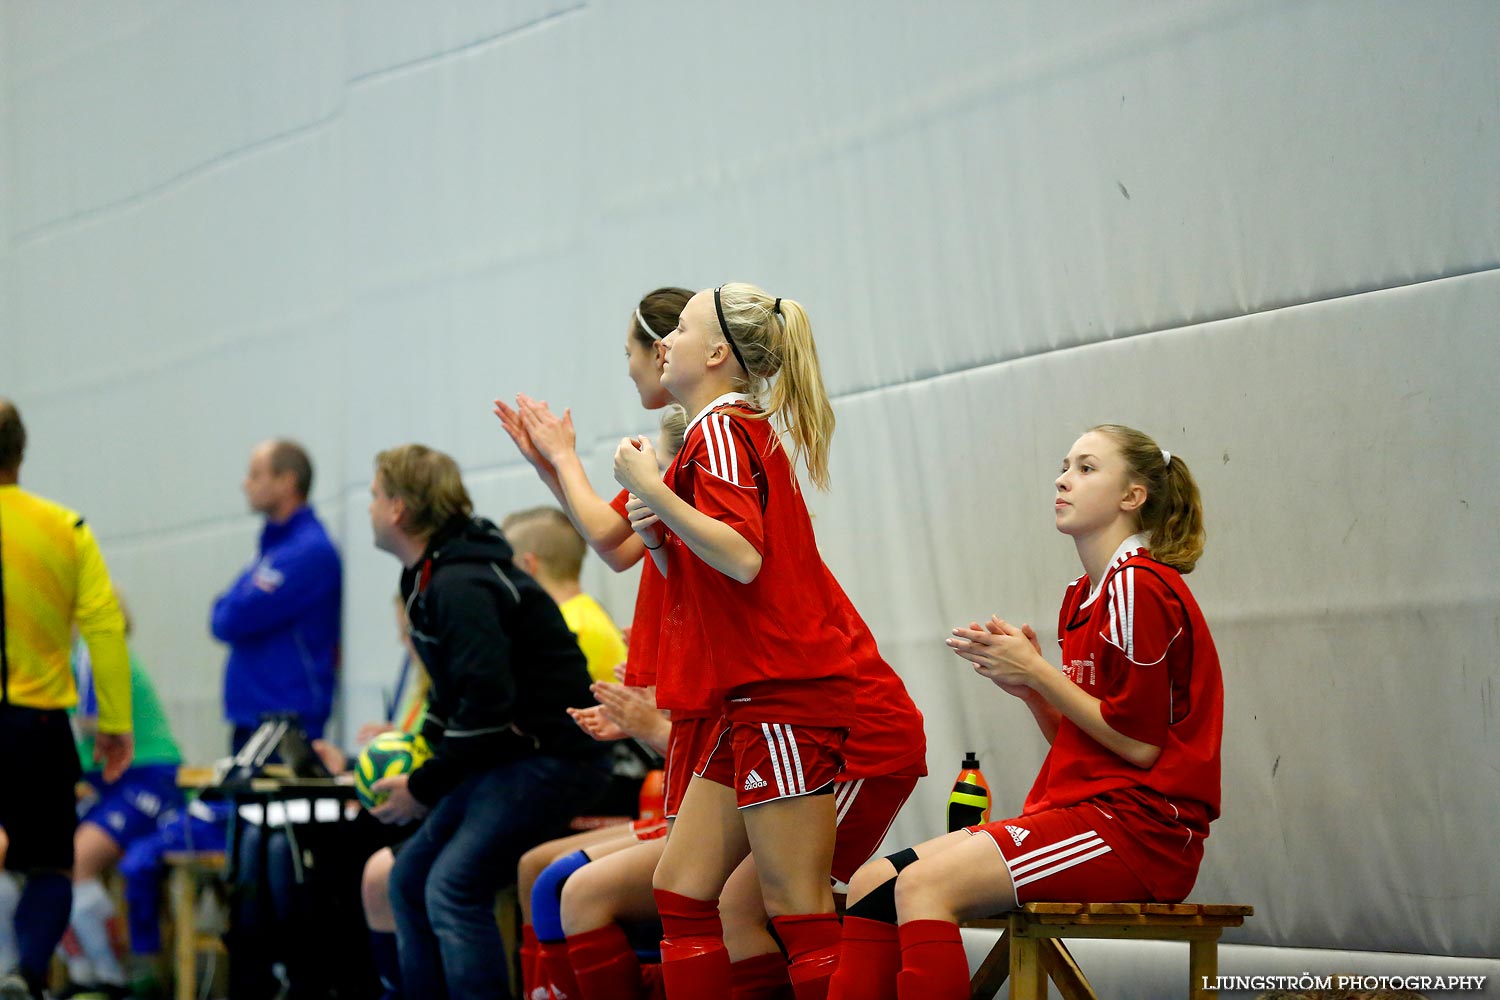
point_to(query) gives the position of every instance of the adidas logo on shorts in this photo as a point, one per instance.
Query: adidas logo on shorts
(753, 780)
(1017, 833)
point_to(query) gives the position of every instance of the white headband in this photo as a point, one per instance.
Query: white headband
(647, 326)
(1166, 457)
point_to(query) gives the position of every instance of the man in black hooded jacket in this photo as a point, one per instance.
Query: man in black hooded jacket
(509, 767)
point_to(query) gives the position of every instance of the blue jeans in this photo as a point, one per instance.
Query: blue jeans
(445, 879)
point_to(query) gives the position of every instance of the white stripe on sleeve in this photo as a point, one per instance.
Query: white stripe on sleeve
(731, 446)
(728, 461)
(1112, 597)
(708, 445)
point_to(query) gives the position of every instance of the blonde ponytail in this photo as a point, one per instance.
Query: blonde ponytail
(674, 421)
(774, 344)
(1173, 512)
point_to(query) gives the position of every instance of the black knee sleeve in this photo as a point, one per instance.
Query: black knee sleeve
(880, 903)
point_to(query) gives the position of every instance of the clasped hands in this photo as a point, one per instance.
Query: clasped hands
(637, 470)
(1001, 652)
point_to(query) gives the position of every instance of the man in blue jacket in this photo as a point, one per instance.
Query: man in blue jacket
(281, 616)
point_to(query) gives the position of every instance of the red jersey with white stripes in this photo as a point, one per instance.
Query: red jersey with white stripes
(680, 670)
(778, 643)
(887, 737)
(1139, 644)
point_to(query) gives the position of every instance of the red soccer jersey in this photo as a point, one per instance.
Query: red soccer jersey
(887, 737)
(672, 663)
(640, 655)
(1141, 646)
(778, 646)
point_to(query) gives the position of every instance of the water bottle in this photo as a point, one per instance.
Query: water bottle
(652, 799)
(969, 805)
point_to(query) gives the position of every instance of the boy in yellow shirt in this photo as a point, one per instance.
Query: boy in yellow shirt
(550, 550)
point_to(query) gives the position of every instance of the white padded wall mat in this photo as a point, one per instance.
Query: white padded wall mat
(118, 103)
(1267, 232)
(1138, 167)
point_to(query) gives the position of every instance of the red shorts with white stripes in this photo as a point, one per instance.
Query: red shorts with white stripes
(1058, 856)
(689, 740)
(866, 808)
(766, 761)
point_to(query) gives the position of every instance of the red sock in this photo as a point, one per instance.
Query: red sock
(869, 961)
(604, 964)
(693, 960)
(811, 941)
(933, 963)
(531, 969)
(760, 977)
(557, 970)
(652, 981)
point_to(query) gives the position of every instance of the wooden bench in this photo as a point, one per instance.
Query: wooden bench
(183, 867)
(1030, 950)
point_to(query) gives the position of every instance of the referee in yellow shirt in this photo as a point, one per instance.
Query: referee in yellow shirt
(51, 578)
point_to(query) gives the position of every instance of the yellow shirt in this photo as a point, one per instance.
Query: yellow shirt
(51, 576)
(600, 640)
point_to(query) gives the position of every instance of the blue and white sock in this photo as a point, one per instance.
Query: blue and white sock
(10, 895)
(92, 909)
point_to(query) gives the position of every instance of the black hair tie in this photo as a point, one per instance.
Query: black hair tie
(719, 308)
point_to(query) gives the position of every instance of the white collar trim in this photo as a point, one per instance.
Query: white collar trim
(1126, 549)
(728, 397)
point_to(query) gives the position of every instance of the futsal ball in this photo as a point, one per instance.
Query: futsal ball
(387, 755)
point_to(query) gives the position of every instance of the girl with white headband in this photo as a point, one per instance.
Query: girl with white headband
(1123, 802)
(548, 443)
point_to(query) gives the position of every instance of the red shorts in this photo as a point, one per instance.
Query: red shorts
(690, 739)
(866, 808)
(649, 829)
(766, 761)
(1059, 856)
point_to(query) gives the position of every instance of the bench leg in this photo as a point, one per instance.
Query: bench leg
(990, 975)
(1028, 980)
(1203, 965)
(1064, 972)
(184, 933)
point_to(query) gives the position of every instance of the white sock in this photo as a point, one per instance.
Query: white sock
(10, 895)
(92, 908)
(80, 969)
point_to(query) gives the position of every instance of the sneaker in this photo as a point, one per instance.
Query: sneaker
(102, 992)
(13, 987)
(145, 986)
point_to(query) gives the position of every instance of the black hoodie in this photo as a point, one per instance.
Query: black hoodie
(503, 664)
